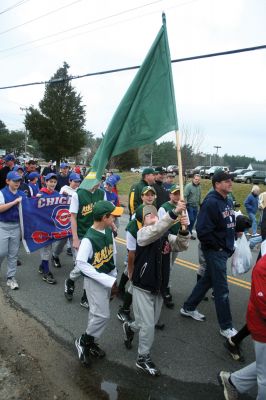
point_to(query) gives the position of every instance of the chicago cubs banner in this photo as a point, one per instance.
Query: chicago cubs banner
(44, 220)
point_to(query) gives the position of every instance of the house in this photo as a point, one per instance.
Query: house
(257, 167)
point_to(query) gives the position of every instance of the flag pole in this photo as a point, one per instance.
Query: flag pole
(180, 172)
(179, 163)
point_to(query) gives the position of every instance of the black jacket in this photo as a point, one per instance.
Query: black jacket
(152, 266)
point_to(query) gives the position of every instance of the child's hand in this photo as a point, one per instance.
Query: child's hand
(184, 220)
(181, 206)
(114, 291)
(17, 200)
(76, 243)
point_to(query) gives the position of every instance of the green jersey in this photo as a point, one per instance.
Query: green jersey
(85, 216)
(102, 245)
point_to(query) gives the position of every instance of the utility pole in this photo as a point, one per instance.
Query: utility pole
(217, 148)
(26, 133)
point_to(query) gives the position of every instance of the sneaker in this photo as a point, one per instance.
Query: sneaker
(95, 350)
(56, 262)
(69, 252)
(233, 349)
(230, 392)
(84, 303)
(69, 289)
(83, 352)
(41, 269)
(227, 333)
(193, 314)
(49, 278)
(129, 335)
(168, 301)
(145, 363)
(12, 283)
(124, 315)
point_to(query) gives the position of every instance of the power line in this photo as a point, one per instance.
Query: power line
(80, 26)
(55, 81)
(40, 16)
(96, 29)
(20, 3)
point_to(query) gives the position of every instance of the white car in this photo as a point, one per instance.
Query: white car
(209, 172)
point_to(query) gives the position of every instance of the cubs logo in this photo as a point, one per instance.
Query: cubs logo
(61, 217)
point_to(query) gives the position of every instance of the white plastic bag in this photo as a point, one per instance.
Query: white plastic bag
(242, 257)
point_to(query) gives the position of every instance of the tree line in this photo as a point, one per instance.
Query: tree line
(56, 131)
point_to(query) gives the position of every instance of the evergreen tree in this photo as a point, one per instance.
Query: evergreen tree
(58, 125)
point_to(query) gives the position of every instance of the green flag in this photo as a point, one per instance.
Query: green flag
(146, 112)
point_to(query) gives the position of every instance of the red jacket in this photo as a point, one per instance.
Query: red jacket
(256, 313)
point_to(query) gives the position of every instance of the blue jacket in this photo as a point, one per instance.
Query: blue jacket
(216, 223)
(251, 203)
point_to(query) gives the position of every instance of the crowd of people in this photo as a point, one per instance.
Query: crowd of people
(160, 226)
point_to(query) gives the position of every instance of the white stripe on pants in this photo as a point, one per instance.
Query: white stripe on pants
(147, 309)
(99, 313)
(9, 245)
(255, 373)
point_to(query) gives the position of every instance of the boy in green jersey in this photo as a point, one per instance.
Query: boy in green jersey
(96, 261)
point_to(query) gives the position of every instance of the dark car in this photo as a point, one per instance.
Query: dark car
(259, 177)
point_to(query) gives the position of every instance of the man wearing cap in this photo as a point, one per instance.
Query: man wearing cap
(216, 233)
(161, 192)
(134, 200)
(9, 165)
(151, 269)
(96, 261)
(192, 195)
(67, 190)
(10, 197)
(63, 176)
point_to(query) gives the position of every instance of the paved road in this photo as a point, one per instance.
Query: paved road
(189, 353)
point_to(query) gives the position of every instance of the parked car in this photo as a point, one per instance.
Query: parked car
(239, 171)
(203, 170)
(137, 170)
(259, 177)
(209, 172)
(192, 171)
(245, 178)
(172, 168)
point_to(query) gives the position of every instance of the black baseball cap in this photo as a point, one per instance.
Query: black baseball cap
(220, 176)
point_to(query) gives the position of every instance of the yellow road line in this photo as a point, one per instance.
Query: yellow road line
(194, 267)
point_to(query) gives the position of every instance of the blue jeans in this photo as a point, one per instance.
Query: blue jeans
(253, 220)
(192, 214)
(216, 277)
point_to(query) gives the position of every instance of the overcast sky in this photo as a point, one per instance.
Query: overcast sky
(223, 97)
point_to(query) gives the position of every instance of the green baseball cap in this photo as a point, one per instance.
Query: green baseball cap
(147, 189)
(174, 188)
(103, 207)
(147, 171)
(144, 210)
